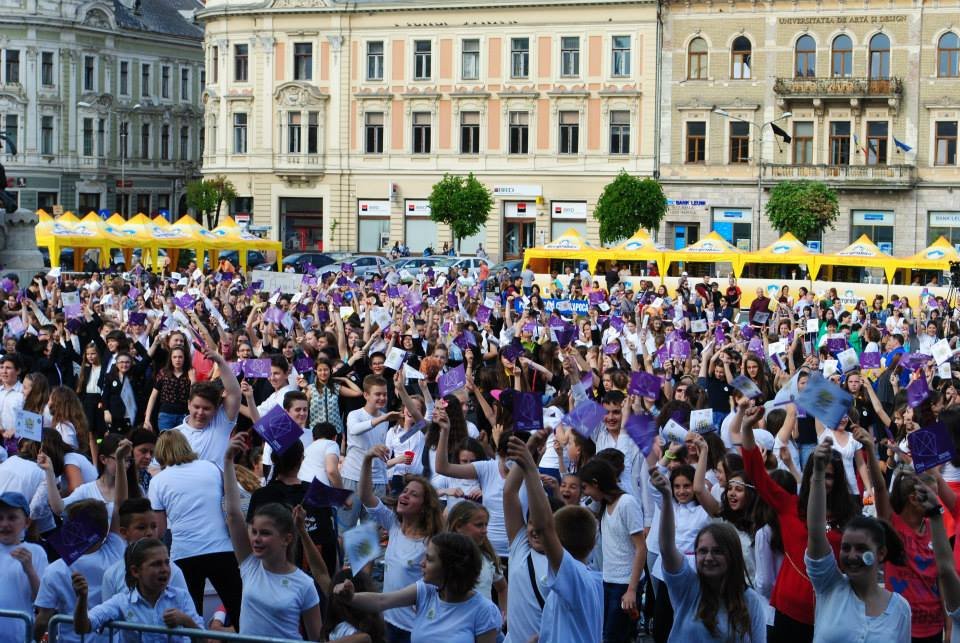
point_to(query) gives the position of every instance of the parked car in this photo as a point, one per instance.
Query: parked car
(414, 265)
(366, 265)
(299, 261)
(472, 264)
(512, 266)
(254, 258)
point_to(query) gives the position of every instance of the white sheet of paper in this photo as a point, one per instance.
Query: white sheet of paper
(656, 303)
(777, 347)
(848, 360)
(491, 303)
(941, 351)
(274, 299)
(395, 358)
(673, 432)
(197, 275)
(411, 373)
(604, 306)
(345, 311)
(701, 420)
(70, 298)
(296, 298)
(830, 367)
(813, 325)
(698, 325)
(943, 371)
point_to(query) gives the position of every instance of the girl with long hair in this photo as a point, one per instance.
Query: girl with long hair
(713, 602)
(90, 389)
(768, 541)
(36, 394)
(324, 394)
(470, 519)
(69, 420)
(172, 388)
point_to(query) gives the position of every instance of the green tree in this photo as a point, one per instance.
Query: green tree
(802, 208)
(208, 195)
(463, 203)
(627, 204)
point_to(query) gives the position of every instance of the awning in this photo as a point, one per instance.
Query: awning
(711, 249)
(862, 253)
(785, 250)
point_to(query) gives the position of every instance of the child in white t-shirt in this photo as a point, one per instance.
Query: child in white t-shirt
(471, 520)
(21, 564)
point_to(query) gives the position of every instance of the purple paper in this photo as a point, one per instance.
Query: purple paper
(73, 325)
(336, 298)
(393, 292)
(586, 418)
(319, 495)
(452, 380)
(755, 345)
(914, 361)
(323, 316)
(527, 411)
(747, 332)
(837, 344)
(75, 537)
(255, 368)
(133, 293)
(434, 292)
(237, 368)
(645, 385)
(513, 350)
(530, 327)
(680, 350)
(596, 296)
(483, 314)
(612, 348)
(452, 300)
(461, 341)
(273, 315)
(137, 319)
(565, 335)
(662, 354)
(73, 311)
(278, 429)
(185, 302)
(616, 323)
(642, 429)
(870, 359)
(8, 285)
(304, 364)
(719, 336)
(930, 446)
(917, 392)
(346, 268)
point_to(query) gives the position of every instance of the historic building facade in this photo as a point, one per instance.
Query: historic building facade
(334, 119)
(81, 80)
(868, 93)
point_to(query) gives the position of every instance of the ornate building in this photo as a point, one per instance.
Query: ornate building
(80, 81)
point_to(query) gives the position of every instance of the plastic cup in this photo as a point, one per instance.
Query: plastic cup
(409, 456)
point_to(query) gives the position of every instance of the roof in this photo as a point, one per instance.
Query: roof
(170, 17)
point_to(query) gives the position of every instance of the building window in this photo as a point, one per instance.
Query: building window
(240, 133)
(375, 60)
(185, 142)
(422, 59)
(519, 132)
(840, 143)
(241, 54)
(46, 135)
(470, 59)
(11, 66)
(469, 132)
(880, 57)
(696, 142)
(570, 56)
(165, 81)
(948, 56)
(741, 59)
(293, 132)
(184, 83)
(421, 132)
(202, 133)
(303, 61)
(739, 142)
(803, 143)
(145, 141)
(569, 132)
(313, 132)
(620, 132)
(841, 62)
(88, 137)
(373, 133)
(945, 143)
(165, 142)
(46, 200)
(215, 64)
(124, 140)
(519, 57)
(46, 69)
(620, 61)
(11, 129)
(805, 58)
(697, 59)
(124, 78)
(144, 79)
(877, 142)
(101, 137)
(89, 73)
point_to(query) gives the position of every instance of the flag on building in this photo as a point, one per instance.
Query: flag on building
(786, 138)
(901, 145)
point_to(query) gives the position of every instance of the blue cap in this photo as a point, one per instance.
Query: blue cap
(16, 500)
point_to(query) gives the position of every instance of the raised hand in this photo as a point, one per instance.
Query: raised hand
(822, 455)
(660, 483)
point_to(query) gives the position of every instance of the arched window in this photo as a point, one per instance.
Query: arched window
(841, 63)
(948, 56)
(742, 59)
(805, 58)
(697, 59)
(880, 56)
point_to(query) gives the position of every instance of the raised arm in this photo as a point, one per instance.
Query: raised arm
(817, 544)
(671, 556)
(231, 386)
(947, 576)
(540, 516)
(365, 488)
(704, 497)
(512, 510)
(318, 568)
(444, 466)
(124, 459)
(236, 522)
(375, 602)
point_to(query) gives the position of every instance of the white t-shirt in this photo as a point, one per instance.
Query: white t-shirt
(401, 564)
(848, 452)
(414, 443)
(616, 529)
(689, 519)
(523, 608)
(272, 603)
(115, 580)
(361, 435)
(491, 484)
(438, 620)
(342, 631)
(488, 576)
(68, 432)
(446, 482)
(211, 442)
(78, 460)
(574, 604)
(56, 585)
(15, 593)
(191, 494)
(88, 491)
(315, 457)
(20, 475)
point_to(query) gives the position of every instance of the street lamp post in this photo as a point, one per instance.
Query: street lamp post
(759, 156)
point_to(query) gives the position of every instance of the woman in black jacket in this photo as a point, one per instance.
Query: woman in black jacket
(122, 399)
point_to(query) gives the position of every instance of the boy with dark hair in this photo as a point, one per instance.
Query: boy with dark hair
(21, 564)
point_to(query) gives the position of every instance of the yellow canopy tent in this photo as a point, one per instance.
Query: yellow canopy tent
(711, 249)
(937, 256)
(69, 232)
(639, 247)
(241, 240)
(570, 245)
(44, 229)
(785, 250)
(862, 253)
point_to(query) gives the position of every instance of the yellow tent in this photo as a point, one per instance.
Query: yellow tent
(639, 247)
(69, 232)
(862, 253)
(785, 250)
(239, 239)
(570, 245)
(711, 249)
(44, 230)
(937, 256)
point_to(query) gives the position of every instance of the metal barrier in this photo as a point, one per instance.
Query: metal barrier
(21, 616)
(193, 634)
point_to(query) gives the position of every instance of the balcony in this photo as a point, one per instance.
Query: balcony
(843, 88)
(878, 177)
(299, 168)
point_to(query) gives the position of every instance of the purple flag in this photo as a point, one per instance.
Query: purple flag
(483, 314)
(565, 335)
(914, 361)
(434, 292)
(137, 319)
(530, 327)
(586, 418)
(645, 385)
(256, 368)
(870, 359)
(747, 332)
(596, 296)
(931, 446)
(8, 285)
(680, 350)
(185, 302)
(755, 345)
(278, 429)
(527, 411)
(837, 344)
(75, 537)
(73, 311)
(73, 325)
(452, 300)
(612, 348)
(917, 392)
(273, 315)
(617, 323)
(719, 335)
(323, 316)
(393, 292)
(133, 293)
(304, 364)
(513, 350)
(642, 429)
(237, 368)
(455, 378)
(336, 298)
(319, 495)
